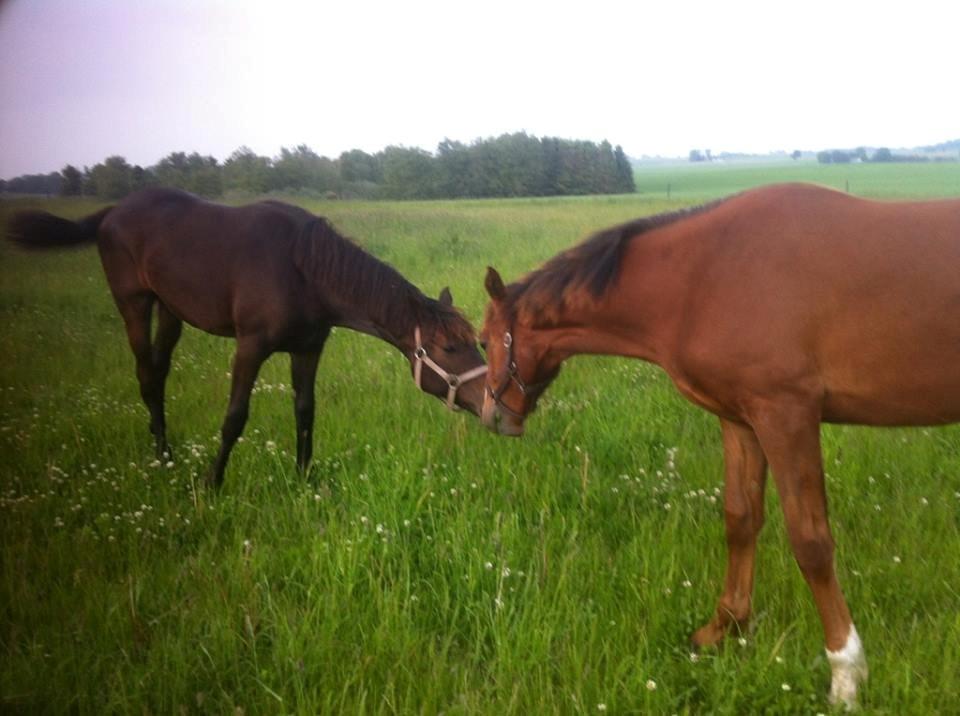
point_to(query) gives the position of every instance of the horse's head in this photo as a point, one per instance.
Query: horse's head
(518, 367)
(445, 359)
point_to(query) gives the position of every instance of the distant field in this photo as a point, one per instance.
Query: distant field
(427, 566)
(707, 181)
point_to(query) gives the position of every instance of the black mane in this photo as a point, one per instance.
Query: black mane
(348, 275)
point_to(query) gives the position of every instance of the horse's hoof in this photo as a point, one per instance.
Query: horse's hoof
(213, 480)
(707, 636)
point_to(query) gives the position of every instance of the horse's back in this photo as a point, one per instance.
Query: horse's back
(856, 299)
(209, 263)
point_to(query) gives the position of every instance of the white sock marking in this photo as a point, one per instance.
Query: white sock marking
(849, 666)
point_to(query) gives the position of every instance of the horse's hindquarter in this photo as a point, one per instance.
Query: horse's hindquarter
(806, 292)
(219, 269)
(888, 347)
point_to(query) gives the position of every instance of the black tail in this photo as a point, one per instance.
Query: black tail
(39, 231)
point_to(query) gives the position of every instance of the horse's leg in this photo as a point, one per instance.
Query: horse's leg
(169, 328)
(303, 371)
(136, 310)
(746, 475)
(250, 355)
(790, 437)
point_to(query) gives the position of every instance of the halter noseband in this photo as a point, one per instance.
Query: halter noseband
(453, 380)
(513, 376)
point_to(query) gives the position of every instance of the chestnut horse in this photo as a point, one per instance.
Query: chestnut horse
(777, 309)
(271, 275)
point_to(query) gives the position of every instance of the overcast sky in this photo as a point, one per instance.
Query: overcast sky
(84, 79)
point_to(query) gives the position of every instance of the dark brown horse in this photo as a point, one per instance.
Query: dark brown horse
(776, 310)
(271, 275)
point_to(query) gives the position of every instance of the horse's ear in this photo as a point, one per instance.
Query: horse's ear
(446, 298)
(494, 285)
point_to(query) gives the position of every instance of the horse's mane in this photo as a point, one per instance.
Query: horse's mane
(586, 271)
(345, 274)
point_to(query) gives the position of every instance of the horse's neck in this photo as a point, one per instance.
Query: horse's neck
(596, 338)
(375, 327)
(628, 322)
(363, 324)
(377, 323)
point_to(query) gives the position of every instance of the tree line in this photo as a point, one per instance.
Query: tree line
(881, 155)
(509, 165)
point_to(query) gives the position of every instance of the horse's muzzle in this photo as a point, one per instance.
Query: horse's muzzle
(494, 419)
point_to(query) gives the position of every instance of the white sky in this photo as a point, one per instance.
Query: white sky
(83, 79)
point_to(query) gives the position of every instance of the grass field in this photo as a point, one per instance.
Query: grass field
(694, 182)
(426, 566)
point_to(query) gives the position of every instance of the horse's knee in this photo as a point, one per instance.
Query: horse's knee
(303, 407)
(814, 552)
(742, 526)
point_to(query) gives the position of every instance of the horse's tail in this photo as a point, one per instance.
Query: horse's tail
(40, 231)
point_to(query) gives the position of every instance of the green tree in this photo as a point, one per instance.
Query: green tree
(247, 172)
(358, 166)
(206, 178)
(72, 184)
(35, 184)
(301, 169)
(112, 178)
(625, 180)
(453, 169)
(89, 188)
(141, 178)
(194, 173)
(408, 173)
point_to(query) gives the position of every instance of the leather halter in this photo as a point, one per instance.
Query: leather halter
(513, 377)
(453, 380)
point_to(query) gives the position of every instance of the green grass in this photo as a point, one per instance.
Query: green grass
(425, 566)
(696, 182)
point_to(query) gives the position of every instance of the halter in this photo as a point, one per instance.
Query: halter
(513, 376)
(453, 380)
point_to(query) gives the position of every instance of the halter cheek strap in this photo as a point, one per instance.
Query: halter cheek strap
(512, 377)
(453, 380)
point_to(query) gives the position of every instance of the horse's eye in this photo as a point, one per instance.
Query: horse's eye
(449, 349)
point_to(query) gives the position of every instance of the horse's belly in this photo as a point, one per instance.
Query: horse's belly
(901, 403)
(200, 306)
(898, 364)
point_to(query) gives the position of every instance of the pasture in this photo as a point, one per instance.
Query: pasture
(424, 565)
